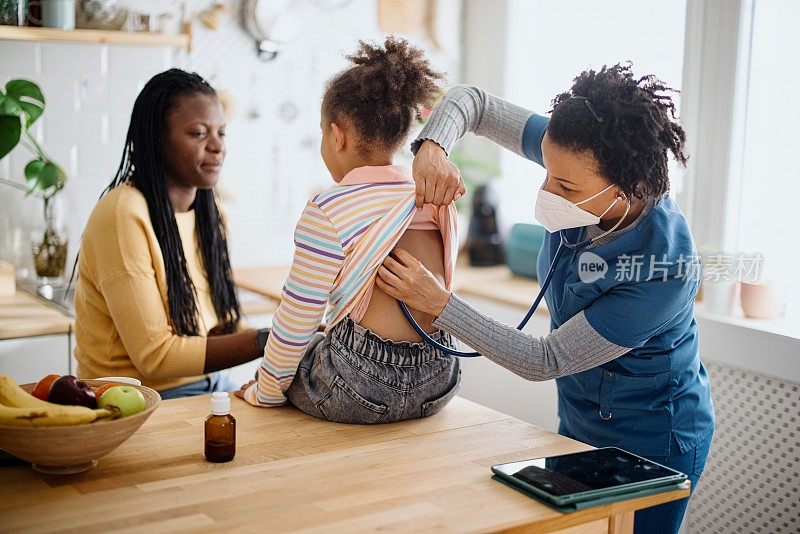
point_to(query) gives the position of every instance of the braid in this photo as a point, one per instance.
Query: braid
(142, 165)
(215, 258)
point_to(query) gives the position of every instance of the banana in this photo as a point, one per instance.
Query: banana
(54, 415)
(20, 408)
(16, 397)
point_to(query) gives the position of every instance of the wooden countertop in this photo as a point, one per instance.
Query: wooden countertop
(265, 281)
(495, 283)
(499, 284)
(294, 472)
(24, 315)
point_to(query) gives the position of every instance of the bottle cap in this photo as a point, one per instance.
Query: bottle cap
(220, 403)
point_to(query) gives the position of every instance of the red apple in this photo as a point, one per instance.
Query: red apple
(42, 389)
(71, 391)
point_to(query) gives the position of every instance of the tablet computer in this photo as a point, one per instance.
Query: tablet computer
(583, 476)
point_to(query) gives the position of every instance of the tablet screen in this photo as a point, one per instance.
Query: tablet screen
(585, 471)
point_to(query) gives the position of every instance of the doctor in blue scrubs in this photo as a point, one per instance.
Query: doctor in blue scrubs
(623, 345)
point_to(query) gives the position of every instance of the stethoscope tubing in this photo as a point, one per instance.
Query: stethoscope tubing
(562, 246)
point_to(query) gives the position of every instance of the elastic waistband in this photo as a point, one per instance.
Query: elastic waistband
(349, 337)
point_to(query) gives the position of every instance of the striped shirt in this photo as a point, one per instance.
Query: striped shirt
(342, 238)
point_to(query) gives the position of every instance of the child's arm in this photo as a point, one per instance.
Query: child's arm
(317, 261)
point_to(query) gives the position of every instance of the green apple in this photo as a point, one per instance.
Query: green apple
(127, 399)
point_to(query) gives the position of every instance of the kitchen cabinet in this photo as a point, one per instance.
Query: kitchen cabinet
(35, 338)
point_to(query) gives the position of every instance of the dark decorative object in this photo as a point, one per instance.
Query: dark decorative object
(484, 242)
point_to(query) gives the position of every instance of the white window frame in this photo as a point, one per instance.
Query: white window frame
(716, 69)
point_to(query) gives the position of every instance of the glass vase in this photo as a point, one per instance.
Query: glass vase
(50, 243)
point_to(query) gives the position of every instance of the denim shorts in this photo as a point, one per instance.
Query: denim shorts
(353, 376)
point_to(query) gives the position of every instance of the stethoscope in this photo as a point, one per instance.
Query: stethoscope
(563, 246)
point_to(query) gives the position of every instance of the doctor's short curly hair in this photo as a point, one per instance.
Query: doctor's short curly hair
(629, 125)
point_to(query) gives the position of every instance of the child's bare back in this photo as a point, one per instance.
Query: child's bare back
(383, 316)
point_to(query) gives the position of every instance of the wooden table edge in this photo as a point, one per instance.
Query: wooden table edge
(616, 513)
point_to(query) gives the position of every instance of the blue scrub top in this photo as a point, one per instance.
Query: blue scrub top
(637, 291)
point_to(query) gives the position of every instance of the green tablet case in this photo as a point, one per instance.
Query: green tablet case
(596, 501)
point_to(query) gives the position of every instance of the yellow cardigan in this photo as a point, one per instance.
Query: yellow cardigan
(122, 325)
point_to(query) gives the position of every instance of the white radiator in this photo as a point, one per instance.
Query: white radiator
(752, 478)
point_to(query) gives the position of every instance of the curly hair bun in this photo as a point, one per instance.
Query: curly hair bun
(383, 91)
(396, 74)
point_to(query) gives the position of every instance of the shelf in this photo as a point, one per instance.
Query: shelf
(14, 33)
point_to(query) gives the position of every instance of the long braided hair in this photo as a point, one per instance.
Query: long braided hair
(143, 166)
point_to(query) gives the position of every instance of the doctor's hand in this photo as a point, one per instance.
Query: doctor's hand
(403, 277)
(437, 179)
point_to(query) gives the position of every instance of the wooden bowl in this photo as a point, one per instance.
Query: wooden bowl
(74, 449)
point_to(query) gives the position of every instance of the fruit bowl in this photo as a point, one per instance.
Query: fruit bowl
(76, 448)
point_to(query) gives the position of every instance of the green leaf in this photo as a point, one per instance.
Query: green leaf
(50, 176)
(10, 106)
(10, 130)
(25, 90)
(33, 170)
(32, 111)
(28, 96)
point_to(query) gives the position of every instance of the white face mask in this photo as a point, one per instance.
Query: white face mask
(557, 213)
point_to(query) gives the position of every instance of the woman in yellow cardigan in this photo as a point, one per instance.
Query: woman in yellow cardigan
(154, 298)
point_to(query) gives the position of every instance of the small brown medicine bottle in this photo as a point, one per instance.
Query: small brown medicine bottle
(220, 430)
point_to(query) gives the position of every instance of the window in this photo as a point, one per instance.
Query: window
(766, 165)
(549, 43)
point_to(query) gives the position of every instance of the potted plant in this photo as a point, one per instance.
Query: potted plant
(21, 104)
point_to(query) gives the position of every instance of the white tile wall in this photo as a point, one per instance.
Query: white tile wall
(122, 92)
(59, 93)
(137, 61)
(23, 59)
(16, 163)
(83, 128)
(273, 165)
(96, 165)
(95, 94)
(68, 60)
(67, 155)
